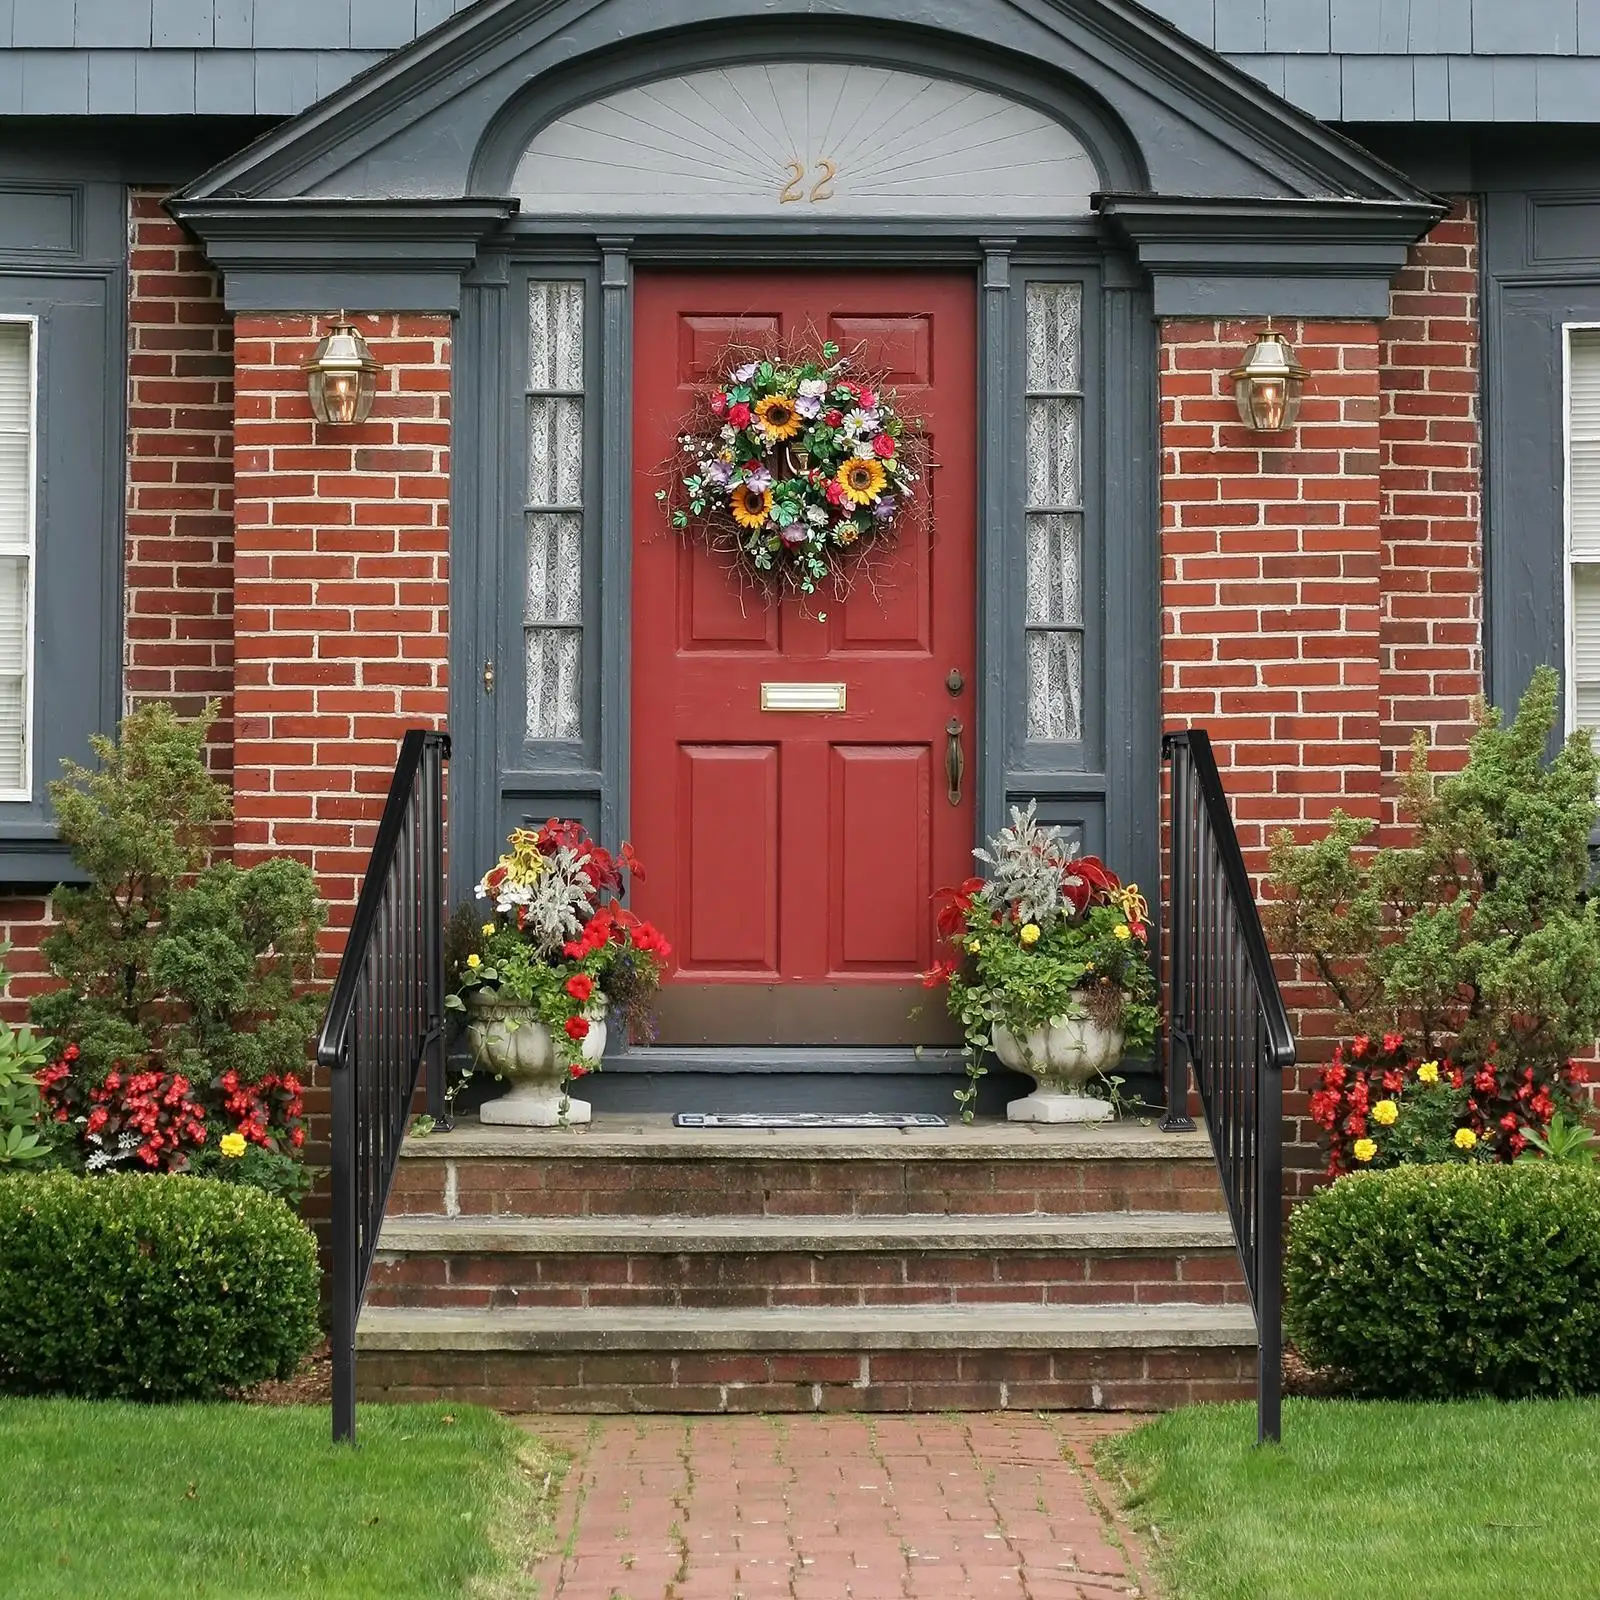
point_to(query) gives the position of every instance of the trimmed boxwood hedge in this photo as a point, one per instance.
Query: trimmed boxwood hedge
(146, 1287)
(1438, 1282)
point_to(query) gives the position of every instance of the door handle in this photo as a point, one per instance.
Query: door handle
(955, 764)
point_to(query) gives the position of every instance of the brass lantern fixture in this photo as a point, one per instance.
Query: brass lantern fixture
(342, 376)
(1267, 384)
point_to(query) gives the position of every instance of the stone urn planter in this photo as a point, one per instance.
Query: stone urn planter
(1061, 1057)
(510, 1041)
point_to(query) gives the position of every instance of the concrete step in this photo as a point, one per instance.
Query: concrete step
(1118, 1357)
(1143, 1257)
(644, 1167)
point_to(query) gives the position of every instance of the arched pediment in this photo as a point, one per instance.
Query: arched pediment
(779, 138)
(1012, 113)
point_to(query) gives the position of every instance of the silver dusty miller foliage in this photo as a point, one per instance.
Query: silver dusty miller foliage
(1028, 867)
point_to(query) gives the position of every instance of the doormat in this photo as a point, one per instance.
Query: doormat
(808, 1119)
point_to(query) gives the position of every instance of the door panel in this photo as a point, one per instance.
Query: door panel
(730, 804)
(797, 851)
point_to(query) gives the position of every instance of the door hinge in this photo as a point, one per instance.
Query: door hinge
(488, 677)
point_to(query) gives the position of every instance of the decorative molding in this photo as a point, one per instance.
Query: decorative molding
(363, 255)
(1244, 258)
(801, 139)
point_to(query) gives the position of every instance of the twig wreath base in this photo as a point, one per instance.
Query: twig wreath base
(797, 469)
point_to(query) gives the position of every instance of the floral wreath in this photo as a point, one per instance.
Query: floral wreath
(798, 470)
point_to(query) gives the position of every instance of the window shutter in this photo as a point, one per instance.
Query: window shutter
(16, 549)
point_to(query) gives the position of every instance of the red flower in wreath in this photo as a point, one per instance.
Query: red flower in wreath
(739, 415)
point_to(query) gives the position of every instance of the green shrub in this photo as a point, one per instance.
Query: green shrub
(1451, 1281)
(153, 1288)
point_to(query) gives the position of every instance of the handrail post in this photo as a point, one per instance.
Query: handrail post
(1269, 1262)
(345, 1251)
(433, 931)
(1179, 914)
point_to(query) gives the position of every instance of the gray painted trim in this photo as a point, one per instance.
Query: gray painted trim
(79, 294)
(786, 1059)
(998, 577)
(364, 255)
(1526, 300)
(1308, 258)
(615, 566)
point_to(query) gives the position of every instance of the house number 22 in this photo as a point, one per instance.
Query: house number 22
(822, 176)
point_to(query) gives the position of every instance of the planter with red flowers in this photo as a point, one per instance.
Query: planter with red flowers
(1051, 972)
(554, 957)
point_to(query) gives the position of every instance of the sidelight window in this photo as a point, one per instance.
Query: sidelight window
(1054, 512)
(553, 609)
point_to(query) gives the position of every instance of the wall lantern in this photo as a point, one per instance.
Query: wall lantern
(1267, 384)
(341, 376)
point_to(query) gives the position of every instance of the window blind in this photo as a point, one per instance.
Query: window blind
(16, 549)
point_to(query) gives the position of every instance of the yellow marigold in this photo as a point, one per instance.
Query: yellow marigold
(1428, 1072)
(474, 961)
(1364, 1150)
(488, 928)
(232, 1144)
(1466, 1139)
(1030, 933)
(1385, 1112)
(974, 946)
(1123, 931)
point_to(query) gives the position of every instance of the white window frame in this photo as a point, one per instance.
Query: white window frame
(28, 550)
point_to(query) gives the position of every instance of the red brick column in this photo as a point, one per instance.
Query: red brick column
(1272, 598)
(1430, 461)
(178, 627)
(341, 625)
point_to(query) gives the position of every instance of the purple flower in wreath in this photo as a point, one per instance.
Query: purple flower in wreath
(745, 373)
(759, 480)
(885, 508)
(795, 533)
(717, 472)
(807, 406)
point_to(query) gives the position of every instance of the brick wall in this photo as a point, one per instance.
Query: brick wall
(341, 620)
(178, 630)
(1431, 631)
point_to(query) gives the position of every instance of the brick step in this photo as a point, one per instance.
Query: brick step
(643, 1167)
(1112, 1357)
(1090, 1258)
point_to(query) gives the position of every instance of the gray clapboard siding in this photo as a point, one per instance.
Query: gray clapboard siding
(1341, 60)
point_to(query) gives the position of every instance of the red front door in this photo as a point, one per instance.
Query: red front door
(792, 854)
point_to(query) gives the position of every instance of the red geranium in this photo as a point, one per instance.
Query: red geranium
(577, 1028)
(580, 986)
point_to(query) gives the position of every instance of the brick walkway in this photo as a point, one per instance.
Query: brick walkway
(835, 1508)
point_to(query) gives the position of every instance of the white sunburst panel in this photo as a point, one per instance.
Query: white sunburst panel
(798, 138)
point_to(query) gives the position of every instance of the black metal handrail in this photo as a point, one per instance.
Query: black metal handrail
(385, 1021)
(1227, 1021)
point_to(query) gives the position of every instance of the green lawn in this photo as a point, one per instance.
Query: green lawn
(251, 1502)
(1476, 1501)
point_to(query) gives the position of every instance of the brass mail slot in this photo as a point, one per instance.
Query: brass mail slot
(802, 697)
